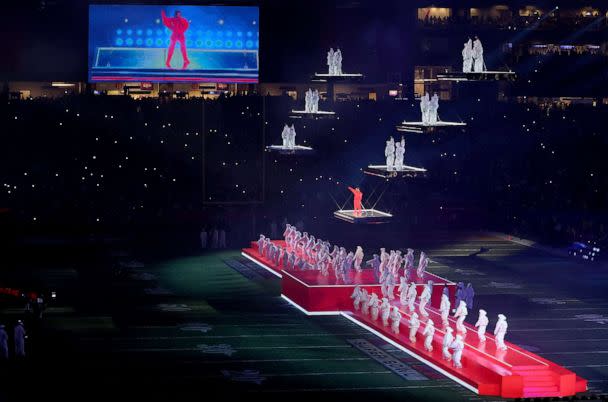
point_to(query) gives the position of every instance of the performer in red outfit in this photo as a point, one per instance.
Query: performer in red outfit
(357, 201)
(178, 27)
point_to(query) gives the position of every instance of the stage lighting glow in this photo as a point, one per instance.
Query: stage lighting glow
(129, 42)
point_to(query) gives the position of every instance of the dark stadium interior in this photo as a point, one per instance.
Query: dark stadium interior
(105, 188)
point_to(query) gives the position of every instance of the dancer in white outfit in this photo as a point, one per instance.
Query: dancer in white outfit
(500, 331)
(461, 314)
(448, 338)
(414, 325)
(458, 346)
(481, 325)
(429, 332)
(425, 297)
(467, 56)
(444, 309)
(395, 320)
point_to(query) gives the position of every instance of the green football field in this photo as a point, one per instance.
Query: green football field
(195, 328)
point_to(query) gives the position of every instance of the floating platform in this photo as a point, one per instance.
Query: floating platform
(421, 127)
(320, 77)
(385, 173)
(459, 76)
(364, 216)
(303, 114)
(514, 373)
(297, 150)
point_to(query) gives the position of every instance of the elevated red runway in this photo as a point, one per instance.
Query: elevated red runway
(514, 373)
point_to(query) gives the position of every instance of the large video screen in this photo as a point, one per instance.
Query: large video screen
(173, 43)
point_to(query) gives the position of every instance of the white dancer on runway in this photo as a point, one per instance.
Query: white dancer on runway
(402, 289)
(425, 297)
(358, 258)
(444, 309)
(481, 325)
(500, 331)
(461, 314)
(429, 332)
(356, 296)
(374, 304)
(458, 346)
(412, 292)
(448, 338)
(422, 264)
(395, 320)
(386, 311)
(414, 325)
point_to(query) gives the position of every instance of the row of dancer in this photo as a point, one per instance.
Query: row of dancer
(460, 314)
(394, 153)
(389, 267)
(304, 251)
(370, 305)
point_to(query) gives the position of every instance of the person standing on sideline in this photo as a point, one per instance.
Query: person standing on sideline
(204, 238)
(19, 339)
(3, 344)
(222, 239)
(214, 238)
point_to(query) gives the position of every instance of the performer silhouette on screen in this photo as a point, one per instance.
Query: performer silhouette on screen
(178, 27)
(358, 196)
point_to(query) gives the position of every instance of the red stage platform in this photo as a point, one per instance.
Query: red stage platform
(514, 373)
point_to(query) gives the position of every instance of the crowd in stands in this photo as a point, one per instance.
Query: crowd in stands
(112, 160)
(517, 22)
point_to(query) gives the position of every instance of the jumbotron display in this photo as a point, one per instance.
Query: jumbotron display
(173, 43)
